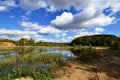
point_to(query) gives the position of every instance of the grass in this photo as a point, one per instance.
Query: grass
(17, 72)
(86, 54)
(41, 66)
(6, 48)
(36, 65)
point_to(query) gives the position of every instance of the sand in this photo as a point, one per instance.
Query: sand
(106, 68)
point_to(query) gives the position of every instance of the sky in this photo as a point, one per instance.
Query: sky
(58, 20)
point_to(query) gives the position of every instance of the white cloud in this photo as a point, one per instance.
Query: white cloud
(83, 4)
(64, 34)
(30, 26)
(81, 21)
(32, 4)
(70, 38)
(24, 18)
(3, 8)
(98, 30)
(63, 40)
(65, 4)
(83, 33)
(16, 34)
(57, 36)
(100, 20)
(51, 9)
(91, 15)
(26, 36)
(62, 20)
(9, 3)
(49, 30)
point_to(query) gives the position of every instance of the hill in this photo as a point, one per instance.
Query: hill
(96, 40)
(7, 44)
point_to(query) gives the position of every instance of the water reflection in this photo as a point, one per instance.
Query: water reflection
(7, 54)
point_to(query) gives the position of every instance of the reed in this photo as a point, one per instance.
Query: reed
(86, 54)
(36, 65)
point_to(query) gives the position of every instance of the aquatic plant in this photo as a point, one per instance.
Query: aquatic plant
(36, 65)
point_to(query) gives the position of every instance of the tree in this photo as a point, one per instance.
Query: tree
(31, 42)
(23, 41)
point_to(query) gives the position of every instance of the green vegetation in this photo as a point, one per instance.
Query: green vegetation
(86, 54)
(19, 71)
(96, 40)
(34, 64)
(30, 62)
(115, 45)
(31, 42)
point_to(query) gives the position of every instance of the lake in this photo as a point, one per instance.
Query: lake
(67, 54)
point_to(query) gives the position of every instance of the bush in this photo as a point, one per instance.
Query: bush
(115, 46)
(86, 54)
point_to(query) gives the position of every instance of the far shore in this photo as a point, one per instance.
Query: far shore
(56, 47)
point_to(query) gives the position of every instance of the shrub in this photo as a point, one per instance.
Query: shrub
(115, 46)
(86, 54)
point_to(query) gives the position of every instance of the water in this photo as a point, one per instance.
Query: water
(7, 54)
(13, 53)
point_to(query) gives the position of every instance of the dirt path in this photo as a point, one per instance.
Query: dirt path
(107, 68)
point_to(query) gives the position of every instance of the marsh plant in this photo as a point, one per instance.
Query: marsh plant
(39, 66)
(17, 72)
(86, 54)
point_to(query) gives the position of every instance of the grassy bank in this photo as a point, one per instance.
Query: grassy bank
(39, 66)
(42, 66)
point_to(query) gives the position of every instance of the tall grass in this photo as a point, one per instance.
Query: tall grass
(86, 53)
(34, 64)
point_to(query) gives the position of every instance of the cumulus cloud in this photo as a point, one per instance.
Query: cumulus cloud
(82, 20)
(63, 20)
(91, 15)
(30, 25)
(88, 14)
(97, 30)
(32, 4)
(100, 20)
(65, 4)
(9, 3)
(47, 30)
(16, 34)
(6, 4)
(83, 4)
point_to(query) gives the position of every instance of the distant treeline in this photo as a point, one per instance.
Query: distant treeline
(31, 42)
(93, 40)
(97, 40)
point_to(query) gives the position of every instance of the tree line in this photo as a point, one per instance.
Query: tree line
(97, 40)
(32, 42)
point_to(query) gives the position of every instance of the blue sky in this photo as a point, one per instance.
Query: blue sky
(58, 20)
